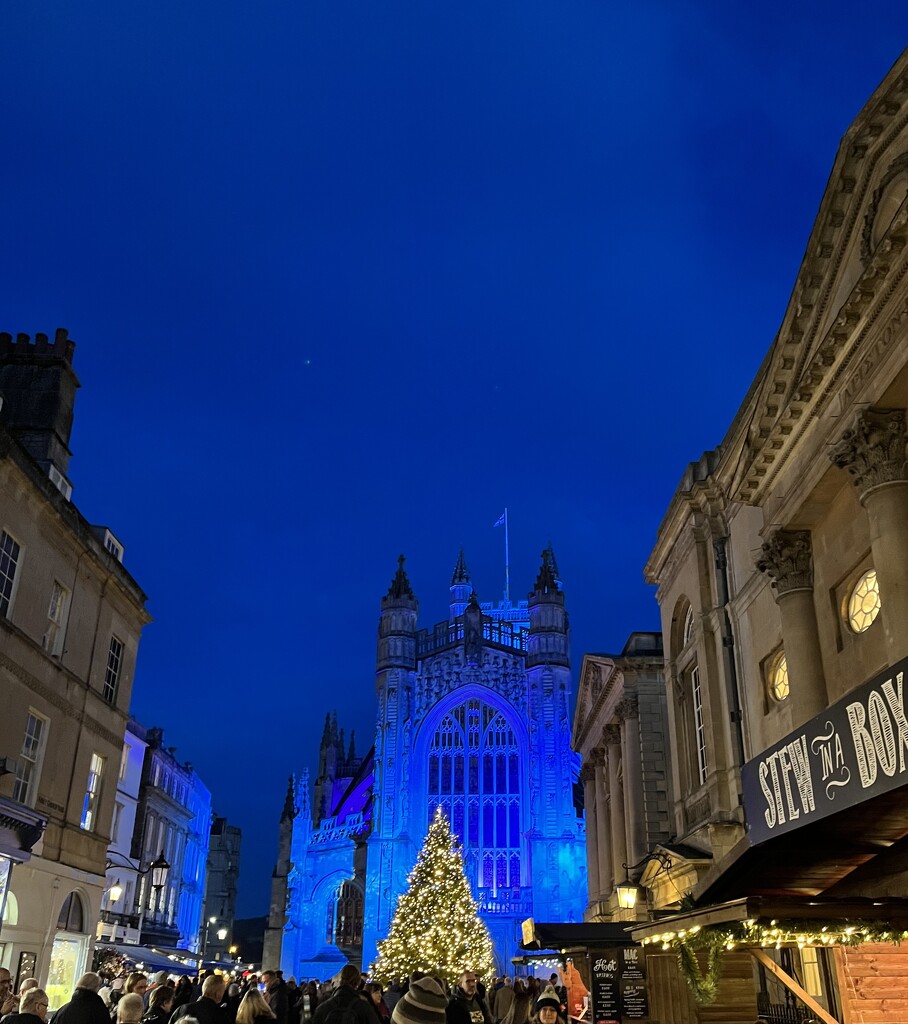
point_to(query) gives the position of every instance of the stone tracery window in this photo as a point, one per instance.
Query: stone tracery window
(474, 776)
(345, 917)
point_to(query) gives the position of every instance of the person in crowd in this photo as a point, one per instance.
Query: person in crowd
(183, 992)
(8, 1002)
(345, 1001)
(533, 989)
(158, 979)
(276, 995)
(376, 1000)
(232, 1001)
(467, 1005)
(503, 1008)
(254, 1009)
(130, 1008)
(392, 995)
(33, 1005)
(136, 984)
(309, 1001)
(424, 1002)
(160, 1005)
(548, 1009)
(522, 1003)
(85, 1006)
(207, 1009)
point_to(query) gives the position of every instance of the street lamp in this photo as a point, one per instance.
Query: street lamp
(158, 869)
(115, 892)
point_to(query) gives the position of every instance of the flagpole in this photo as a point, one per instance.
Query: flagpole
(507, 577)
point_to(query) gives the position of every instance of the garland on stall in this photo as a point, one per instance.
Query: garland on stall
(715, 940)
(703, 984)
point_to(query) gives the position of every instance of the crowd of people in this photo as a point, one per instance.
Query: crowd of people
(266, 998)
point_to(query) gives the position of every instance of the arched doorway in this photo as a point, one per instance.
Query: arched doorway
(67, 958)
(345, 920)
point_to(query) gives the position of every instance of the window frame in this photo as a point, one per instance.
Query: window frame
(113, 674)
(10, 598)
(88, 820)
(52, 641)
(30, 796)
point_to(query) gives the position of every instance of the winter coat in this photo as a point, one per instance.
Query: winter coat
(462, 1010)
(85, 1007)
(344, 998)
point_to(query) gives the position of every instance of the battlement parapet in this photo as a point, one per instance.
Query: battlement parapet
(62, 347)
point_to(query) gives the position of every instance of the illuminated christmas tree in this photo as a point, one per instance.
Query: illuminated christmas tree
(436, 927)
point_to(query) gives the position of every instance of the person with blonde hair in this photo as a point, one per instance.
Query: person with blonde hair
(32, 1007)
(254, 1009)
(130, 1008)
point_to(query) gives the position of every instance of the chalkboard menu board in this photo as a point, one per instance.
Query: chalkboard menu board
(618, 990)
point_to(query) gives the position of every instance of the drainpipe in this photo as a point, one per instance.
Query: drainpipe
(720, 545)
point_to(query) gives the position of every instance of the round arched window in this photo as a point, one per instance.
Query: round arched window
(72, 914)
(688, 629)
(864, 602)
(777, 677)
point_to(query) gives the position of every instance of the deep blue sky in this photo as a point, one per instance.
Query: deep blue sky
(346, 279)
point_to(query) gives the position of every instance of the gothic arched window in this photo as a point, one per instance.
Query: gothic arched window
(345, 917)
(474, 776)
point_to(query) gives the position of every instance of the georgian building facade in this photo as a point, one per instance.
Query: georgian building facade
(473, 716)
(70, 620)
(782, 575)
(621, 732)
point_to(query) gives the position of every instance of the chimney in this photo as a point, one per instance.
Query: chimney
(38, 387)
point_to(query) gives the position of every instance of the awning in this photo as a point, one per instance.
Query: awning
(158, 960)
(812, 859)
(586, 935)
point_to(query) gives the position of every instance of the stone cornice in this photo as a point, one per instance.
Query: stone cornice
(802, 358)
(590, 699)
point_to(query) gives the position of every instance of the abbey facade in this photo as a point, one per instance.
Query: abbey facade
(473, 716)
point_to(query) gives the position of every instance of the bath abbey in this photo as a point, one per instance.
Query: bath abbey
(473, 716)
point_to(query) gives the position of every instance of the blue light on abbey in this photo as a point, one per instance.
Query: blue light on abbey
(473, 716)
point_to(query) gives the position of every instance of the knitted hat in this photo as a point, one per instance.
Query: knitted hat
(549, 997)
(423, 1003)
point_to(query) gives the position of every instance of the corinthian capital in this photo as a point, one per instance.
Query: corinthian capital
(612, 734)
(786, 559)
(587, 772)
(872, 452)
(627, 708)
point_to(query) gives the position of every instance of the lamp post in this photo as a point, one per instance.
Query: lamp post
(158, 869)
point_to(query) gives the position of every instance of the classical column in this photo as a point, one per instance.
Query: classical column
(603, 839)
(616, 801)
(588, 778)
(786, 559)
(873, 454)
(633, 779)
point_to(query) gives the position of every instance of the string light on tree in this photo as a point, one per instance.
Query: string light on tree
(436, 926)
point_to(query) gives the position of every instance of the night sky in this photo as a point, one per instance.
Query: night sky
(347, 279)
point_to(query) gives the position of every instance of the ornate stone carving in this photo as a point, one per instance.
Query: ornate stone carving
(787, 560)
(597, 757)
(612, 734)
(627, 708)
(587, 772)
(872, 452)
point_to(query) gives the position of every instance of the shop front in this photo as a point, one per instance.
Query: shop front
(816, 893)
(20, 829)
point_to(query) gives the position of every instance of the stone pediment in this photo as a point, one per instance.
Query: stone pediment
(854, 262)
(598, 678)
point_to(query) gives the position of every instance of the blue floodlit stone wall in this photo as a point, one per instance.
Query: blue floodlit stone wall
(473, 715)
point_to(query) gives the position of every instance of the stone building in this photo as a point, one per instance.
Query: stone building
(173, 818)
(119, 921)
(473, 716)
(221, 886)
(70, 621)
(782, 574)
(621, 732)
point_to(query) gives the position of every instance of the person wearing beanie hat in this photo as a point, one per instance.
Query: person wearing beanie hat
(466, 1005)
(548, 1006)
(423, 1003)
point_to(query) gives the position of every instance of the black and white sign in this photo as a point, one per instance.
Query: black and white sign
(853, 751)
(618, 985)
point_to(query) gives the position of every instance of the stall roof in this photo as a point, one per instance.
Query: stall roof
(573, 936)
(158, 960)
(893, 910)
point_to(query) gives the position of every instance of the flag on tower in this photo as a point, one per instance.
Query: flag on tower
(502, 519)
